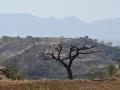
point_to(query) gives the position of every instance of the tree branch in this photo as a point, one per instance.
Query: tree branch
(88, 52)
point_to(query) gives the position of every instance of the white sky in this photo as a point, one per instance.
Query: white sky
(86, 10)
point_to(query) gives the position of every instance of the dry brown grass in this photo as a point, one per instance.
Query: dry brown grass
(59, 85)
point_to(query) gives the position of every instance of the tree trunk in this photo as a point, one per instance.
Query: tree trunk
(70, 76)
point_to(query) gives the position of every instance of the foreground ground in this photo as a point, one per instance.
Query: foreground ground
(59, 85)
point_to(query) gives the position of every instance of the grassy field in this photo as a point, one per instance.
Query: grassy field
(59, 85)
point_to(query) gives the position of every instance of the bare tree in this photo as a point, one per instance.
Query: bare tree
(73, 52)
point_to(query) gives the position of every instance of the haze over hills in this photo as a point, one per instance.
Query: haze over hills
(26, 24)
(28, 54)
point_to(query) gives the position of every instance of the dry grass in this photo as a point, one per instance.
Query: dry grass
(59, 85)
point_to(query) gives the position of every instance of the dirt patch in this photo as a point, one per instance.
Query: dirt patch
(59, 85)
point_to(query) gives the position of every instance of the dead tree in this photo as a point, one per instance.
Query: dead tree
(73, 53)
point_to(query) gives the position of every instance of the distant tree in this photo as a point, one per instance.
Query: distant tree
(37, 39)
(5, 38)
(73, 52)
(86, 37)
(110, 69)
(61, 36)
(109, 43)
(30, 39)
(118, 61)
(102, 42)
(18, 37)
(96, 40)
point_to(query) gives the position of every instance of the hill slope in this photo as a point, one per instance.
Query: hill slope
(29, 56)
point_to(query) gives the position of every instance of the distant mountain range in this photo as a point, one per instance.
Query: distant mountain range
(26, 24)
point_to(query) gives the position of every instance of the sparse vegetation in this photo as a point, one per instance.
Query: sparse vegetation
(110, 69)
(29, 56)
(101, 75)
(118, 61)
(59, 85)
(14, 73)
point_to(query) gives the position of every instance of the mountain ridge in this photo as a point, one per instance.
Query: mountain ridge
(27, 24)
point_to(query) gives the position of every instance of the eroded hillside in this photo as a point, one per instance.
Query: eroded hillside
(29, 54)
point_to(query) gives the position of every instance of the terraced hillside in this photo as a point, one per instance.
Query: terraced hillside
(29, 54)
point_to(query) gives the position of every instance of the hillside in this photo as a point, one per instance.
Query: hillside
(29, 54)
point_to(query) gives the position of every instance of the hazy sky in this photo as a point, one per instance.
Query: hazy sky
(86, 10)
